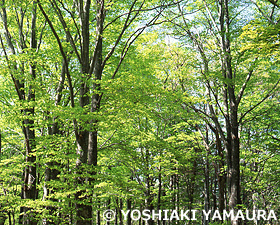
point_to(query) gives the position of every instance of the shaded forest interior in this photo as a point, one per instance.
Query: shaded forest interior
(138, 105)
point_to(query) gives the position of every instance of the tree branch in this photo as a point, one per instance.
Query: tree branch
(260, 102)
(240, 94)
(66, 29)
(62, 53)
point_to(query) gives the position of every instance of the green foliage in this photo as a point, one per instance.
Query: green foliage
(158, 144)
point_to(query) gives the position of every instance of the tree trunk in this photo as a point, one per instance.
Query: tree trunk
(29, 177)
(98, 217)
(29, 190)
(159, 193)
(149, 198)
(206, 190)
(221, 175)
(120, 211)
(128, 202)
(233, 155)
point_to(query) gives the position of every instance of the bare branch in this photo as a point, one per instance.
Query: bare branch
(203, 138)
(274, 3)
(73, 19)
(260, 102)
(211, 17)
(275, 138)
(16, 82)
(125, 26)
(133, 37)
(20, 26)
(41, 36)
(66, 29)
(7, 33)
(62, 53)
(240, 94)
(105, 142)
(141, 10)
(260, 10)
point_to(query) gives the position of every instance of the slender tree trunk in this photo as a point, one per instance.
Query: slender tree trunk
(234, 155)
(149, 198)
(159, 193)
(29, 190)
(221, 175)
(128, 202)
(206, 189)
(87, 141)
(50, 173)
(120, 212)
(108, 207)
(2, 213)
(98, 217)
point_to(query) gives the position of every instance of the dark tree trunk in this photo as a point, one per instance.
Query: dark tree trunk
(159, 193)
(108, 207)
(84, 211)
(98, 218)
(206, 189)
(50, 173)
(221, 175)
(149, 198)
(233, 152)
(128, 202)
(2, 213)
(119, 210)
(29, 190)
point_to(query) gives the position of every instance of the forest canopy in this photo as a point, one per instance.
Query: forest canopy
(112, 109)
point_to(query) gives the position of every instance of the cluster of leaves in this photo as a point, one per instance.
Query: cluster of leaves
(156, 148)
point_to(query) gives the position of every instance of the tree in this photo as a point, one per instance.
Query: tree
(85, 46)
(24, 84)
(92, 63)
(212, 33)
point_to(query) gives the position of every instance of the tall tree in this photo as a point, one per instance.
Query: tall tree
(25, 42)
(92, 46)
(212, 33)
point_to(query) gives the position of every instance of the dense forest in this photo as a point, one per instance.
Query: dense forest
(133, 112)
